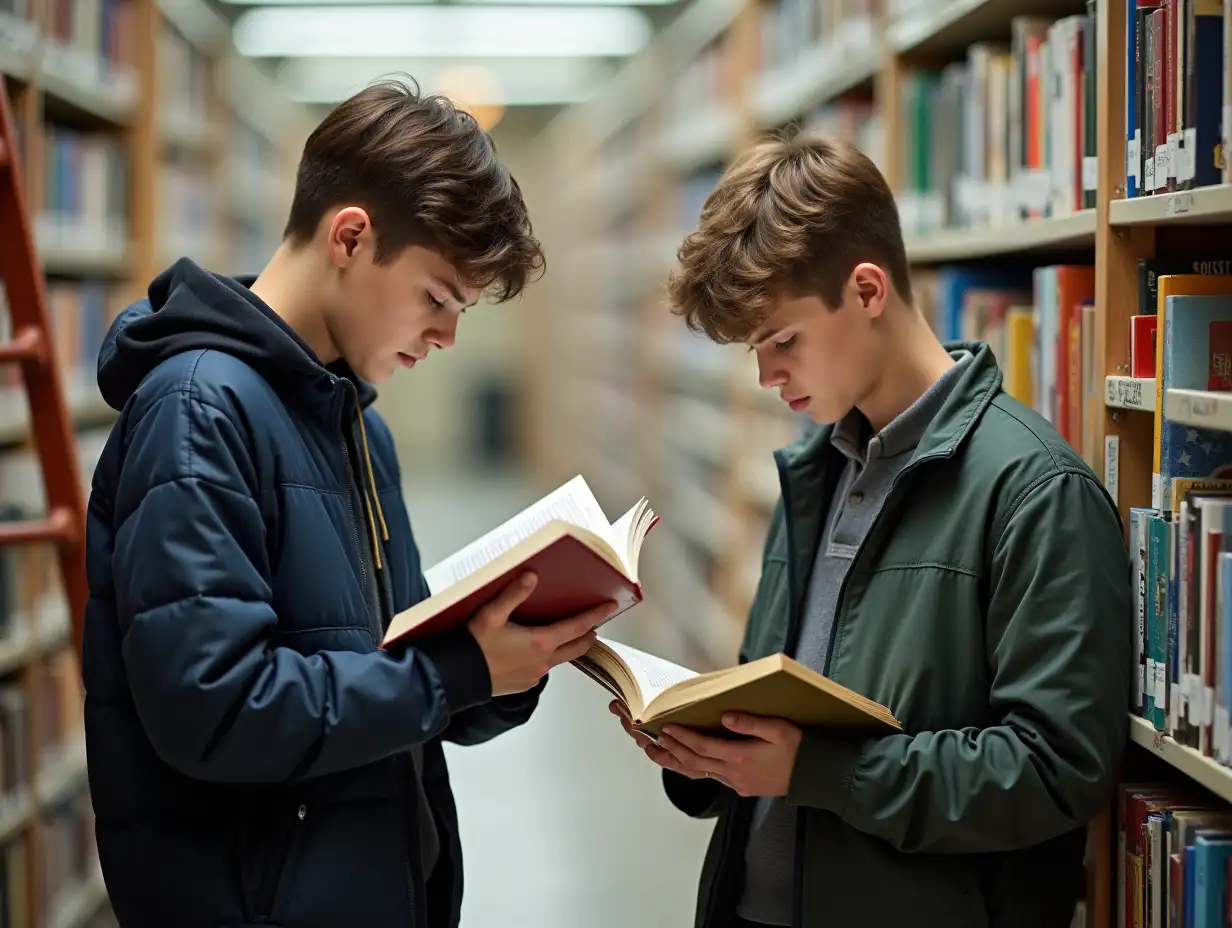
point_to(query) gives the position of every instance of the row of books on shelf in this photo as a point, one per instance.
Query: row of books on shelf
(67, 860)
(86, 178)
(1039, 324)
(1177, 94)
(1173, 857)
(80, 312)
(185, 76)
(1005, 135)
(787, 29)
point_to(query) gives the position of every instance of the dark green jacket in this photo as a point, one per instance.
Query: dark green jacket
(989, 609)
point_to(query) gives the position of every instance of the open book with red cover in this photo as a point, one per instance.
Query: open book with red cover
(580, 558)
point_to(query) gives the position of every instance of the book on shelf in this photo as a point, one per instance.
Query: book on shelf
(657, 692)
(1175, 79)
(581, 561)
(1005, 135)
(1174, 855)
(1194, 319)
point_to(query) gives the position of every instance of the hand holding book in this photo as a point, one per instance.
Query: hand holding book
(518, 656)
(758, 763)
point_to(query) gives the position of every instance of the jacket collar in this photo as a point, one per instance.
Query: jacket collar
(949, 428)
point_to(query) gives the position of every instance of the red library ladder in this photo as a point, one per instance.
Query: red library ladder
(31, 349)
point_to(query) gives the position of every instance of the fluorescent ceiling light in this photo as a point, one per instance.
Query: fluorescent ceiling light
(440, 31)
(515, 82)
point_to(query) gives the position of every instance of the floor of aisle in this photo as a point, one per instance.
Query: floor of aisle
(564, 823)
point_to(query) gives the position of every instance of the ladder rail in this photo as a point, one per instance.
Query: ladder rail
(31, 348)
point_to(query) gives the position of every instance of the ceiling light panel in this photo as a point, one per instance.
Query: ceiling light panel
(462, 31)
(516, 82)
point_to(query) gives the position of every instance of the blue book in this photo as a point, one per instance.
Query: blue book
(1192, 327)
(1131, 102)
(953, 283)
(1211, 853)
(1158, 551)
(1203, 117)
(1137, 550)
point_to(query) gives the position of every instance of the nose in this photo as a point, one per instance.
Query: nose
(443, 337)
(769, 375)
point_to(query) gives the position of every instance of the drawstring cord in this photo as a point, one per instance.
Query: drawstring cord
(371, 497)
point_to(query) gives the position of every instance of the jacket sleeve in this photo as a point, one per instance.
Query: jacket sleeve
(1059, 650)
(701, 798)
(483, 722)
(217, 698)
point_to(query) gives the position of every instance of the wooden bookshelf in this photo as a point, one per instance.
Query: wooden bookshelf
(132, 157)
(863, 71)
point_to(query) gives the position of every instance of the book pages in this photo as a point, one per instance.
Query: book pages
(652, 674)
(573, 503)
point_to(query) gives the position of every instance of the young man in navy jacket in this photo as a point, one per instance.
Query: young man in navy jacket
(255, 757)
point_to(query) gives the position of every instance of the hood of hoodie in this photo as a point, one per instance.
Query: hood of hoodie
(189, 308)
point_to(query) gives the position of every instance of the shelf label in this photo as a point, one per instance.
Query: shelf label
(1090, 173)
(1112, 465)
(1128, 392)
(1179, 203)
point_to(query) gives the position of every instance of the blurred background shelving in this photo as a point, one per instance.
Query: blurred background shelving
(152, 129)
(130, 115)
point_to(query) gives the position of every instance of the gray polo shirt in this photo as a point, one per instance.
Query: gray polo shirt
(872, 464)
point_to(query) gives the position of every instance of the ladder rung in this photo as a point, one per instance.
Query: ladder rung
(57, 527)
(27, 345)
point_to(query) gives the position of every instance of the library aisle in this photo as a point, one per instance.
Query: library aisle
(563, 821)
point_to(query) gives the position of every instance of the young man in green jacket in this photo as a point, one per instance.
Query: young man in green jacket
(938, 548)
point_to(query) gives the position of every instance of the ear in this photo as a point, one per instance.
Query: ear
(868, 283)
(350, 234)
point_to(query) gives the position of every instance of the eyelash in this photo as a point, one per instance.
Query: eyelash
(785, 343)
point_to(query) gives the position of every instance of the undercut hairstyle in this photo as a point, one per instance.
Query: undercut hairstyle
(428, 175)
(791, 217)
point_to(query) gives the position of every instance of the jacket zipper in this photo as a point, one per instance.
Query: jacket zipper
(351, 486)
(793, 625)
(268, 890)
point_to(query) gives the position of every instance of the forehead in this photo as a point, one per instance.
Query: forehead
(423, 265)
(781, 313)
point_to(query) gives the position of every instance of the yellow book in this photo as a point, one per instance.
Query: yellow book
(656, 692)
(1173, 285)
(1019, 348)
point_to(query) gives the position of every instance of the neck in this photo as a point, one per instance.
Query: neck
(914, 360)
(290, 286)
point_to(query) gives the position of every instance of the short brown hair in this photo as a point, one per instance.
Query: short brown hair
(791, 217)
(428, 175)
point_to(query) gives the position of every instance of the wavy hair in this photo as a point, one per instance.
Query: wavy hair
(791, 217)
(428, 175)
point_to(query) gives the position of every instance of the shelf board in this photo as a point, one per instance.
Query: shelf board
(821, 73)
(1130, 393)
(16, 813)
(1204, 409)
(78, 906)
(62, 777)
(18, 42)
(1074, 231)
(933, 28)
(1185, 207)
(1204, 770)
(709, 136)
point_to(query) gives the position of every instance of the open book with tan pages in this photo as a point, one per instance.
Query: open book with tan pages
(580, 558)
(656, 692)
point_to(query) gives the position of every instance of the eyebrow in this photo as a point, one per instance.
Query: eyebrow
(454, 291)
(767, 334)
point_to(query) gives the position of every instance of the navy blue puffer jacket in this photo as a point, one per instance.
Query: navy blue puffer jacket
(254, 757)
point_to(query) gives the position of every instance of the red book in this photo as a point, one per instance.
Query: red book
(1220, 360)
(1159, 125)
(1142, 339)
(581, 561)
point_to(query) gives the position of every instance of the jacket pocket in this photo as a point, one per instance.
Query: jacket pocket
(285, 832)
